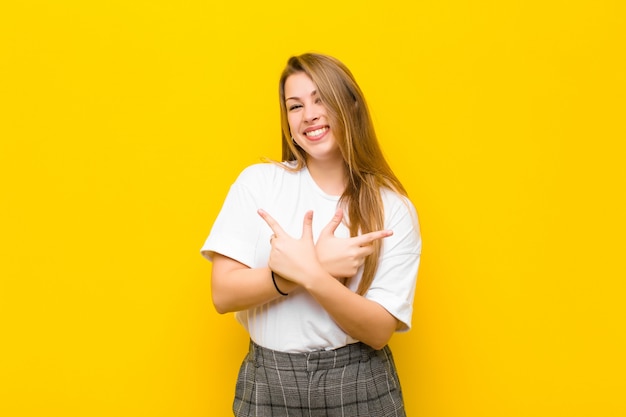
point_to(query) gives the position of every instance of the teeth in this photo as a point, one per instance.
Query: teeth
(316, 132)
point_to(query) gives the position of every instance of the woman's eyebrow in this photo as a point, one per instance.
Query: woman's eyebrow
(313, 93)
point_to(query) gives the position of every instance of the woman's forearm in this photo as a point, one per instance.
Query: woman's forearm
(363, 319)
(236, 287)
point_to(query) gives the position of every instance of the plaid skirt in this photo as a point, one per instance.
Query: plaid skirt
(351, 381)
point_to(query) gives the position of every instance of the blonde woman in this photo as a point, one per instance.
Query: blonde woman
(318, 256)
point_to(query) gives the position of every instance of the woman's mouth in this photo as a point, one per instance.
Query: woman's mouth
(316, 133)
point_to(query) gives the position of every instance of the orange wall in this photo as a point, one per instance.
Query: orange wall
(123, 123)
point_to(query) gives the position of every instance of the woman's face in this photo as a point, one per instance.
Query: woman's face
(308, 119)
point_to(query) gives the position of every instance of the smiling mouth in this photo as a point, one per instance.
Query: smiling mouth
(316, 133)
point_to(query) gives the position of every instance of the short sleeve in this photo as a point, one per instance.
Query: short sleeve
(236, 228)
(393, 286)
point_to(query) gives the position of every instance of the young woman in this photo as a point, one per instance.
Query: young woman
(318, 257)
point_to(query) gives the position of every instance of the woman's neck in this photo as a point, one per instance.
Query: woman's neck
(331, 177)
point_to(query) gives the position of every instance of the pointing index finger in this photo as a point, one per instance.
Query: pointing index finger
(273, 224)
(368, 238)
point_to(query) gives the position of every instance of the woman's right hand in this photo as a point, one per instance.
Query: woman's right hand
(342, 257)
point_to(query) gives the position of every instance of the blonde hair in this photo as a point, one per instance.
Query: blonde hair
(368, 171)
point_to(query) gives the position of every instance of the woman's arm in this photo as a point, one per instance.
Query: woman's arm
(237, 287)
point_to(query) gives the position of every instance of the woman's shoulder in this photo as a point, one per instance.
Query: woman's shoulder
(401, 216)
(398, 206)
(394, 199)
(266, 171)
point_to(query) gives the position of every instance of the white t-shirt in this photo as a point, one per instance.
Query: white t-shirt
(297, 323)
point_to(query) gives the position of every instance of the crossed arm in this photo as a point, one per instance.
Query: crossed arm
(316, 268)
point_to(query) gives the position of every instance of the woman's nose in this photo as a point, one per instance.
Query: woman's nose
(311, 113)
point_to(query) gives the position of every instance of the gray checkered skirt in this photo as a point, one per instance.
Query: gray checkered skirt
(351, 381)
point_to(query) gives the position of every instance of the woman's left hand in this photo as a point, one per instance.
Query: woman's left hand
(293, 259)
(342, 257)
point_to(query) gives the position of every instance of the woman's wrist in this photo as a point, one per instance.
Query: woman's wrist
(276, 285)
(282, 285)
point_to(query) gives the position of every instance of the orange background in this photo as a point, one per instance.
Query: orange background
(123, 123)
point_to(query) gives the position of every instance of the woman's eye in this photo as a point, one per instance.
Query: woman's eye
(294, 107)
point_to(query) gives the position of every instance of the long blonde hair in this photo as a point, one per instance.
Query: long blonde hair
(349, 117)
